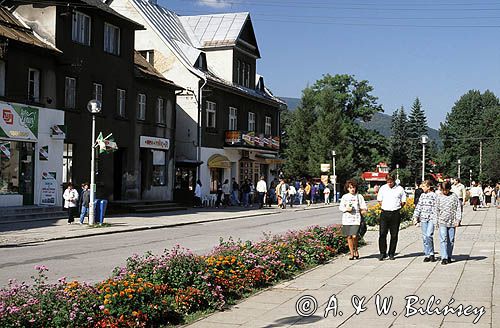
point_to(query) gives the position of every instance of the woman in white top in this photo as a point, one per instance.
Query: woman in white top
(353, 206)
(70, 202)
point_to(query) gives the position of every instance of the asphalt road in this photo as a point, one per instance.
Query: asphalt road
(92, 259)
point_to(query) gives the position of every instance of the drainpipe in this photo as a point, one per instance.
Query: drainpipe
(200, 108)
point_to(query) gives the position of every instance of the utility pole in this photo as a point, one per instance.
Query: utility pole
(480, 158)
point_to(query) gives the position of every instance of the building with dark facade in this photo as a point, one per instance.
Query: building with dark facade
(97, 61)
(31, 145)
(227, 120)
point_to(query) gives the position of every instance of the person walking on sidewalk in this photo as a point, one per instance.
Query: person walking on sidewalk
(235, 193)
(352, 205)
(70, 202)
(85, 201)
(425, 214)
(326, 194)
(291, 194)
(487, 195)
(448, 216)
(308, 193)
(197, 194)
(392, 198)
(226, 190)
(245, 189)
(475, 194)
(261, 189)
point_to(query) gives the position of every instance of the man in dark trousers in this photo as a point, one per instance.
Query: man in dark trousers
(392, 198)
(85, 201)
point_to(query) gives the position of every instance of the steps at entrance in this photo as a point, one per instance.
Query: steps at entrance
(153, 206)
(17, 214)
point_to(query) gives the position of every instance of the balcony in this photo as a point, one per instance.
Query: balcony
(251, 140)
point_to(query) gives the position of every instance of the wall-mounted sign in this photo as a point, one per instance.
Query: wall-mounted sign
(57, 132)
(250, 139)
(5, 150)
(44, 153)
(154, 143)
(48, 192)
(18, 121)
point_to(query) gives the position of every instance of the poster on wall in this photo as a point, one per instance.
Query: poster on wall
(48, 193)
(18, 121)
(44, 153)
(5, 150)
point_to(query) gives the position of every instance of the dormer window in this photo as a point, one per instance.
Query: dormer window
(201, 63)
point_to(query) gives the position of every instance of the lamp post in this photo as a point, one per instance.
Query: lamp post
(458, 175)
(94, 107)
(470, 177)
(334, 178)
(397, 171)
(424, 141)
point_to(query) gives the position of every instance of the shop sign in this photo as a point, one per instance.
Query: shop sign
(18, 121)
(325, 167)
(250, 139)
(44, 153)
(48, 194)
(154, 143)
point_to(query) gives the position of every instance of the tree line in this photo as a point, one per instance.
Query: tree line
(328, 117)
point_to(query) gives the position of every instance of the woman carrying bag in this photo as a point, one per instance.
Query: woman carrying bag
(353, 206)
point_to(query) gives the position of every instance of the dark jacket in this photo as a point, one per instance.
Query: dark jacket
(86, 198)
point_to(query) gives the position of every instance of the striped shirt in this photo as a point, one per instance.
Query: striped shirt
(448, 208)
(425, 210)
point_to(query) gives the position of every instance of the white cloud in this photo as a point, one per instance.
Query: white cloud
(215, 3)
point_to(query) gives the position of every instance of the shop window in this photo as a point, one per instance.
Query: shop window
(67, 163)
(216, 176)
(16, 169)
(268, 126)
(251, 121)
(120, 102)
(111, 39)
(141, 106)
(33, 85)
(159, 168)
(211, 114)
(233, 118)
(81, 28)
(70, 92)
(97, 92)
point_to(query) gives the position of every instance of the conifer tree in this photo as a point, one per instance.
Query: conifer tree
(417, 127)
(399, 139)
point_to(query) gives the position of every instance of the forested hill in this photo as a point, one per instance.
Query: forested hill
(380, 122)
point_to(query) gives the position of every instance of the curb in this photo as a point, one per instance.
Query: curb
(144, 228)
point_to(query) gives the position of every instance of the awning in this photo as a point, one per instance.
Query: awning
(219, 161)
(271, 158)
(187, 163)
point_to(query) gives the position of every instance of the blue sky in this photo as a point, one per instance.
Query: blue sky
(434, 50)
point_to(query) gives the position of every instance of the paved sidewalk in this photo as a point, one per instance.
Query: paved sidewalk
(15, 234)
(471, 281)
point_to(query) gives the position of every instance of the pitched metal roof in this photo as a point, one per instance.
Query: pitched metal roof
(216, 30)
(99, 4)
(12, 28)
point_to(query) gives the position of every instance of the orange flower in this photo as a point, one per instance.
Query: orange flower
(106, 311)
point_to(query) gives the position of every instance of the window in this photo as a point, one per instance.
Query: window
(238, 72)
(233, 118)
(247, 76)
(251, 121)
(2, 78)
(141, 106)
(111, 39)
(97, 92)
(81, 28)
(170, 110)
(120, 102)
(33, 84)
(243, 72)
(70, 92)
(159, 168)
(211, 112)
(149, 55)
(160, 110)
(268, 126)
(67, 163)
(216, 176)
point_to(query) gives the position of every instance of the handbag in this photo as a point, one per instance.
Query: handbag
(362, 224)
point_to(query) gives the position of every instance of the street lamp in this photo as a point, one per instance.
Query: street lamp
(334, 178)
(397, 171)
(424, 141)
(94, 107)
(470, 177)
(458, 175)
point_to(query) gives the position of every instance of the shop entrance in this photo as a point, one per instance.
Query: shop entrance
(16, 169)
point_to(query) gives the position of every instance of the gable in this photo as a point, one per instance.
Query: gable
(247, 40)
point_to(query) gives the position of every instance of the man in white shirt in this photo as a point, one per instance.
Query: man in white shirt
(459, 189)
(392, 198)
(262, 190)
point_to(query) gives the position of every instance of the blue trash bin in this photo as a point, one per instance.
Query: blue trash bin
(103, 203)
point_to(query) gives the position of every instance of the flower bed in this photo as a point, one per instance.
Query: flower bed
(155, 290)
(372, 218)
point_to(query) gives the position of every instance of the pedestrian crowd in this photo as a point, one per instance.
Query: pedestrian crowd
(437, 208)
